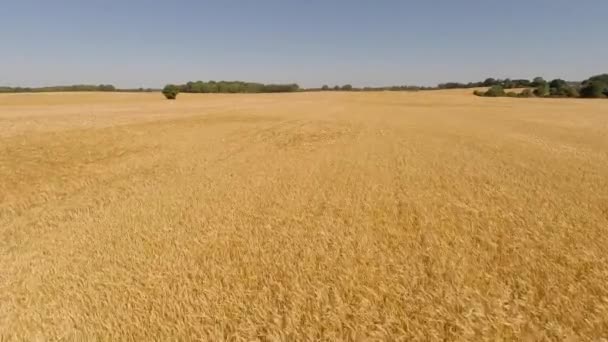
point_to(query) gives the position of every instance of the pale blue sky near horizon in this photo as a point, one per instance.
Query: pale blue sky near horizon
(385, 42)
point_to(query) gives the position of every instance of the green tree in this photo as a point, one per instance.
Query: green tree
(592, 85)
(495, 91)
(558, 83)
(538, 81)
(106, 87)
(526, 93)
(489, 82)
(521, 83)
(347, 87)
(559, 87)
(602, 78)
(210, 87)
(325, 87)
(542, 89)
(508, 84)
(571, 92)
(594, 89)
(170, 91)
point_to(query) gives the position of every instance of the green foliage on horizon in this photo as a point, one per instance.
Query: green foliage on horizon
(594, 87)
(348, 87)
(542, 89)
(526, 93)
(561, 88)
(537, 82)
(236, 87)
(76, 87)
(489, 82)
(170, 91)
(495, 91)
(600, 78)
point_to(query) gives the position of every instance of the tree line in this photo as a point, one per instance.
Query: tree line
(229, 87)
(76, 87)
(489, 82)
(348, 87)
(171, 90)
(72, 88)
(236, 87)
(593, 87)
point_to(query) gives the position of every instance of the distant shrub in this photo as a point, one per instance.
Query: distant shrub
(538, 81)
(170, 91)
(572, 92)
(558, 84)
(347, 87)
(495, 91)
(106, 87)
(512, 94)
(280, 88)
(594, 89)
(561, 88)
(479, 92)
(563, 92)
(489, 82)
(526, 93)
(325, 87)
(542, 90)
(601, 78)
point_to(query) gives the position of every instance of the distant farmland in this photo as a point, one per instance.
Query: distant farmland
(323, 216)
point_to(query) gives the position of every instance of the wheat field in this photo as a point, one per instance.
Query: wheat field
(328, 216)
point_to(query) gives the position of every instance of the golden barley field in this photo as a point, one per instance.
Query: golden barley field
(328, 216)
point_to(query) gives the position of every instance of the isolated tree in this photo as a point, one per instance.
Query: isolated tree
(337, 87)
(170, 91)
(325, 87)
(347, 87)
(495, 91)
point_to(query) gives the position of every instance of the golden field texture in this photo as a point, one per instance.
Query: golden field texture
(307, 216)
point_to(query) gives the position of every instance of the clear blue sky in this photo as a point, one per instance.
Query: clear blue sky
(135, 43)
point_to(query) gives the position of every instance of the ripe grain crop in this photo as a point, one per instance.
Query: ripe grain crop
(432, 215)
